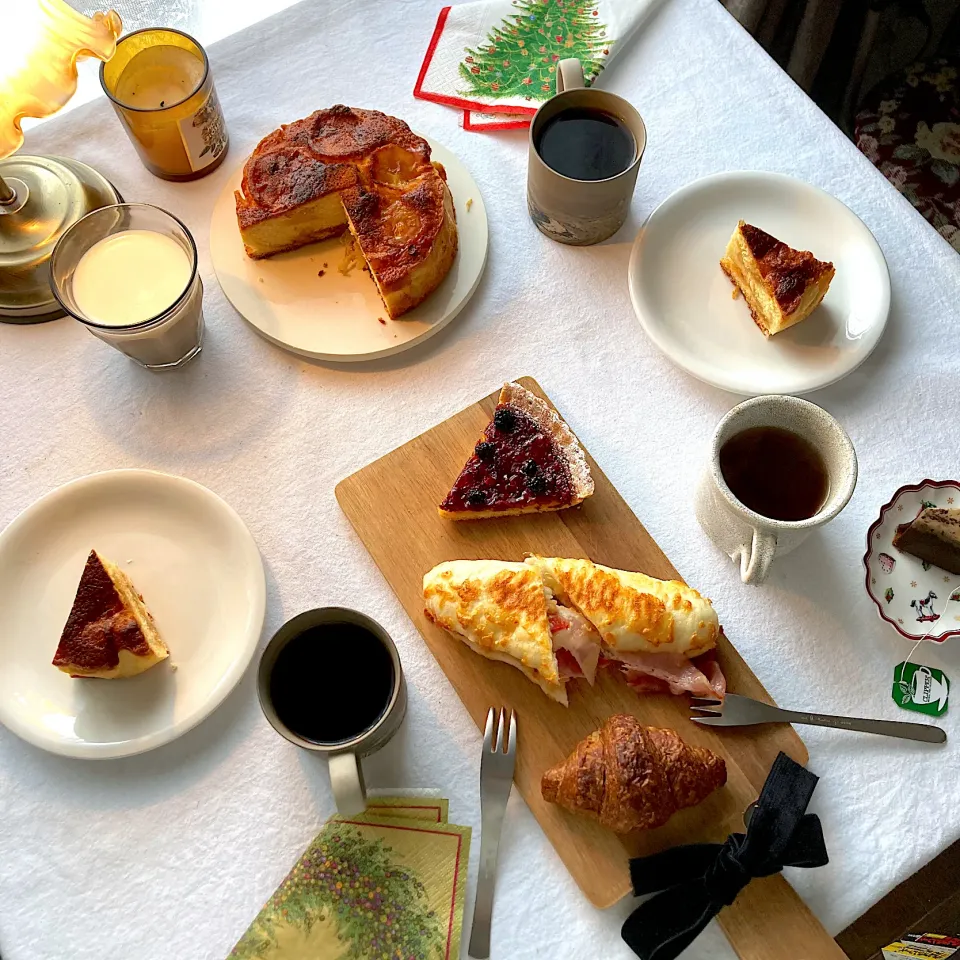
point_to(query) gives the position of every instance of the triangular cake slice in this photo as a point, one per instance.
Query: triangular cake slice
(109, 633)
(782, 286)
(932, 536)
(527, 461)
(406, 234)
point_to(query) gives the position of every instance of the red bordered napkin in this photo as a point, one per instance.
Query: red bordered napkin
(496, 59)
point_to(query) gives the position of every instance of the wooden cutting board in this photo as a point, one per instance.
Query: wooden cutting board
(392, 505)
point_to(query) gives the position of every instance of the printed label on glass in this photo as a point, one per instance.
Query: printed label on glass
(204, 134)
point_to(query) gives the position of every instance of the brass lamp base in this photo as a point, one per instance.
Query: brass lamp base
(49, 195)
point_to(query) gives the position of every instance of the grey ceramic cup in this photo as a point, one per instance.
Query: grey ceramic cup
(580, 212)
(343, 758)
(752, 539)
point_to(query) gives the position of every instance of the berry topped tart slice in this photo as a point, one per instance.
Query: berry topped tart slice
(527, 461)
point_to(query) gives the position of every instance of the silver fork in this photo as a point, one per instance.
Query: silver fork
(496, 778)
(737, 711)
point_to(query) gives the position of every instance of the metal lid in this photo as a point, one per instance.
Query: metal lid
(59, 191)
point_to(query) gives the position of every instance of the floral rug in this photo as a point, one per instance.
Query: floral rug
(909, 128)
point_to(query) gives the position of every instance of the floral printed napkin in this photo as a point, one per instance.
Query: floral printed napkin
(385, 885)
(496, 59)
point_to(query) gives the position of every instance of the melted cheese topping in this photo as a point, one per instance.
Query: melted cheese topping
(630, 610)
(499, 609)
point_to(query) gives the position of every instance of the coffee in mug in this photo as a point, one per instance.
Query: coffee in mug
(583, 156)
(775, 472)
(314, 685)
(586, 143)
(330, 681)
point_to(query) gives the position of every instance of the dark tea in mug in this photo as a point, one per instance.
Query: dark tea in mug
(775, 472)
(586, 144)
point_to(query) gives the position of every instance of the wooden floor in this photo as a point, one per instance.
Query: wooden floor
(927, 902)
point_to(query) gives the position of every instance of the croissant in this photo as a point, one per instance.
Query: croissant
(632, 777)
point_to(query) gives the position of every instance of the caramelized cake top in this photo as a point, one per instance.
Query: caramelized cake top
(99, 625)
(278, 180)
(324, 153)
(396, 228)
(789, 272)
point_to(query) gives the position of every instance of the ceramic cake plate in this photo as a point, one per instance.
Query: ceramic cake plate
(338, 316)
(199, 571)
(920, 601)
(685, 302)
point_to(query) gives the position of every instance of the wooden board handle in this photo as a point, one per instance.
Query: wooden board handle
(769, 919)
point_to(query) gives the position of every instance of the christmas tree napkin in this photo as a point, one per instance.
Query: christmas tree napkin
(496, 60)
(388, 883)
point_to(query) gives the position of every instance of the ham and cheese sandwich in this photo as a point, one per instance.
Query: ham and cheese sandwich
(557, 619)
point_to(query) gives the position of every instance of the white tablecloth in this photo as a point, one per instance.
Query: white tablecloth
(170, 855)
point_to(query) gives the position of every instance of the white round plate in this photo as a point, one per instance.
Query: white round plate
(920, 601)
(684, 299)
(201, 577)
(335, 317)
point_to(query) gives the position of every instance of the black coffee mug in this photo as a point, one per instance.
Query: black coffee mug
(330, 681)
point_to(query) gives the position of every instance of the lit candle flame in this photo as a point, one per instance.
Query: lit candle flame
(38, 69)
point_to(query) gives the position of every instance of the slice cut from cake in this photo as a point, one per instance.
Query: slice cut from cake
(527, 461)
(782, 286)
(933, 536)
(408, 239)
(109, 633)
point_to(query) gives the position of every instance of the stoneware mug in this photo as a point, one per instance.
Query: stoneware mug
(748, 537)
(580, 212)
(343, 758)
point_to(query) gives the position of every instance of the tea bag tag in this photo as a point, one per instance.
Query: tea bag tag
(920, 688)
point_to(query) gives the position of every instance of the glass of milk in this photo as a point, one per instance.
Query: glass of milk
(128, 273)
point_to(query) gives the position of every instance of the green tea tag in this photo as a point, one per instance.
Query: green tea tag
(924, 689)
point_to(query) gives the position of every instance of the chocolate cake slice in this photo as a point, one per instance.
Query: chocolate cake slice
(934, 536)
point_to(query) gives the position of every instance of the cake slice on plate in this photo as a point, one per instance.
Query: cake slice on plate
(109, 633)
(933, 536)
(782, 286)
(527, 461)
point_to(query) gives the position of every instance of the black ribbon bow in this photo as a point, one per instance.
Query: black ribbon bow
(695, 881)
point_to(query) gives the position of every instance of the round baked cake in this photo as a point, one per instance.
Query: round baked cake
(346, 168)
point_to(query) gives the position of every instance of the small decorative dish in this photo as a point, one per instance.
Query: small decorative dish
(910, 594)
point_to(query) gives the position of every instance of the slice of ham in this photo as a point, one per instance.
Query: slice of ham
(575, 642)
(708, 663)
(567, 665)
(672, 673)
(644, 683)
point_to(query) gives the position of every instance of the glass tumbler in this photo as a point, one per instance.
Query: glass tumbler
(172, 333)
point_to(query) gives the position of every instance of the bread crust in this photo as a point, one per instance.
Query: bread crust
(631, 777)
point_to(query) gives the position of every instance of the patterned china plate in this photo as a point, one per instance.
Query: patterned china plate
(912, 595)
